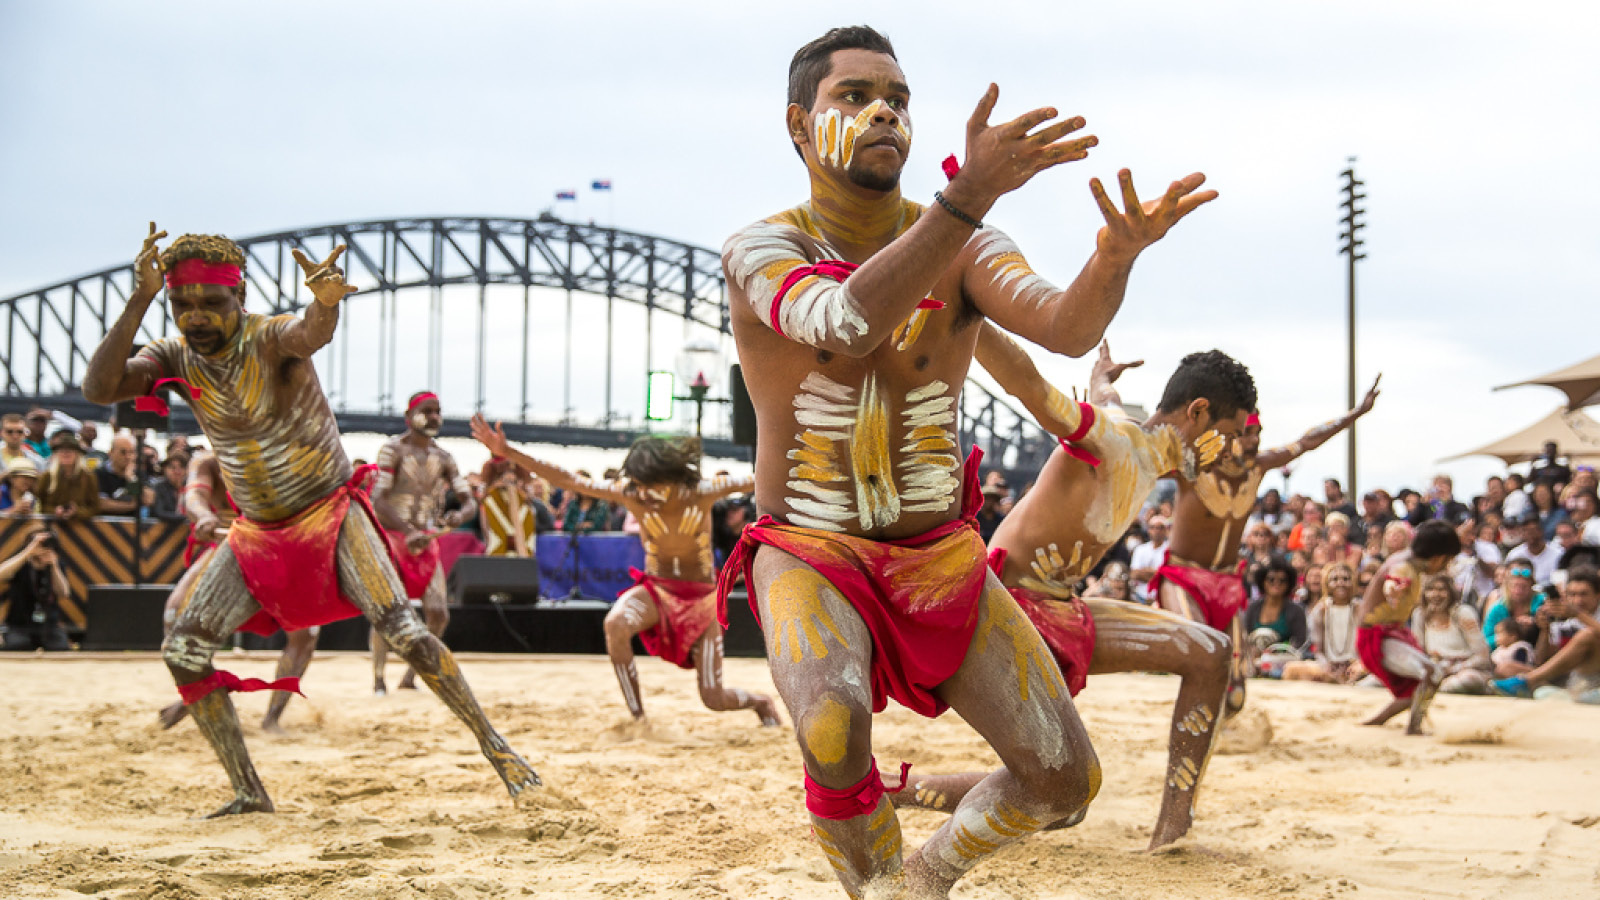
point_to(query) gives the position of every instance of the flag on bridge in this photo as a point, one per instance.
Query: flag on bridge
(566, 195)
(602, 184)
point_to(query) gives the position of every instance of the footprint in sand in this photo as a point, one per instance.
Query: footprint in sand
(1248, 732)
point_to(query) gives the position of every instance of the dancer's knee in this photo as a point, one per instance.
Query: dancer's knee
(835, 736)
(1061, 789)
(404, 632)
(437, 618)
(619, 629)
(188, 654)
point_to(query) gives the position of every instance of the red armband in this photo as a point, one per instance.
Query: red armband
(192, 693)
(152, 403)
(1069, 443)
(855, 800)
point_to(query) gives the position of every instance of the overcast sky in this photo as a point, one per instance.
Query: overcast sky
(1474, 125)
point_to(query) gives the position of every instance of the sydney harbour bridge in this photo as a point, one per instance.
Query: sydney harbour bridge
(552, 326)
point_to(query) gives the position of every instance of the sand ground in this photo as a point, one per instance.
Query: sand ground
(388, 797)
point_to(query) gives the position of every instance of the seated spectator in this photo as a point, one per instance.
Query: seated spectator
(1516, 501)
(1331, 629)
(35, 596)
(1583, 479)
(1311, 587)
(1473, 570)
(729, 515)
(1113, 584)
(990, 514)
(1311, 516)
(1548, 468)
(1271, 513)
(1369, 571)
(1585, 517)
(1450, 634)
(14, 431)
(37, 420)
(119, 487)
(1513, 656)
(1441, 504)
(1396, 537)
(1336, 501)
(1541, 554)
(1577, 663)
(1340, 547)
(16, 494)
(586, 515)
(1517, 602)
(1374, 547)
(167, 504)
(87, 433)
(1376, 514)
(67, 489)
(1410, 505)
(1549, 511)
(1275, 610)
(1149, 555)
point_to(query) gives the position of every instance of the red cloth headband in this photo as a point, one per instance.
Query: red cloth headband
(1254, 420)
(198, 271)
(418, 399)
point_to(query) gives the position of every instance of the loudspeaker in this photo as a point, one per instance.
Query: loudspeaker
(744, 412)
(125, 617)
(494, 579)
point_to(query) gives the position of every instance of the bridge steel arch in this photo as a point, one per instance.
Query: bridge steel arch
(47, 334)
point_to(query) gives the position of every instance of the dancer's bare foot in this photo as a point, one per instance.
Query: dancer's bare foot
(244, 805)
(768, 711)
(517, 774)
(408, 683)
(271, 726)
(1078, 817)
(379, 689)
(172, 715)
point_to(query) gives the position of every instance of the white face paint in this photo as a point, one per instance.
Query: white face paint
(836, 138)
(420, 423)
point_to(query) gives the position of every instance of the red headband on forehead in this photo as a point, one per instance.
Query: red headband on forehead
(418, 399)
(1254, 420)
(198, 271)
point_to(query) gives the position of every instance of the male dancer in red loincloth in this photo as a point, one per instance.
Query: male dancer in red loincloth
(672, 606)
(415, 478)
(305, 549)
(1087, 495)
(1384, 641)
(1201, 577)
(862, 309)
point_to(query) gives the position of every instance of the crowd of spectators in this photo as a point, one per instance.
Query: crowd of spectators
(1519, 591)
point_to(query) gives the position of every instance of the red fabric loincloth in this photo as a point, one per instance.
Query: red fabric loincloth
(416, 570)
(1369, 647)
(687, 609)
(1065, 624)
(917, 596)
(291, 566)
(1220, 595)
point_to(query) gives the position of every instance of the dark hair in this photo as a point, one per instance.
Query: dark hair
(1585, 574)
(1214, 376)
(653, 460)
(1275, 564)
(1435, 538)
(814, 61)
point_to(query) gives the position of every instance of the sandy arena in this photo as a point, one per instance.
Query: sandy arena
(388, 797)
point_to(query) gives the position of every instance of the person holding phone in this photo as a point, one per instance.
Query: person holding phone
(35, 597)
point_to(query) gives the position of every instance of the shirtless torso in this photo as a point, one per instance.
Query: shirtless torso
(256, 394)
(1201, 578)
(863, 309)
(1047, 545)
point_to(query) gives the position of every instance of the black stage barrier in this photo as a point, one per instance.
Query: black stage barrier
(124, 617)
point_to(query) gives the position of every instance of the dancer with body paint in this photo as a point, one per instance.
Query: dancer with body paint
(1202, 577)
(1087, 495)
(672, 605)
(305, 549)
(208, 523)
(865, 569)
(416, 477)
(1384, 641)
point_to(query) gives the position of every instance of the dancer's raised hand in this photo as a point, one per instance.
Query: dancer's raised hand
(1002, 158)
(325, 279)
(147, 266)
(1141, 224)
(1111, 371)
(493, 438)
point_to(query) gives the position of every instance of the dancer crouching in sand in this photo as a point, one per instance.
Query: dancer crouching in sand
(305, 549)
(672, 606)
(1087, 495)
(1387, 647)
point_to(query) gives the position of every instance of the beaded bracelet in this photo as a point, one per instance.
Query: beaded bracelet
(950, 208)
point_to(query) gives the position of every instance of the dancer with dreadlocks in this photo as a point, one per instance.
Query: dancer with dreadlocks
(672, 606)
(305, 549)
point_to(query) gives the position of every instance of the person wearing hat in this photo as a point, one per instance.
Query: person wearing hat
(67, 489)
(16, 490)
(990, 515)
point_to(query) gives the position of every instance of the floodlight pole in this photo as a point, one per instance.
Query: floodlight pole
(1350, 247)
